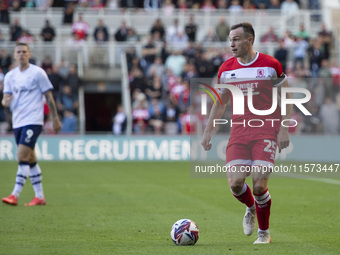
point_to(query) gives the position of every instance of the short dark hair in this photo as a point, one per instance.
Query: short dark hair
(247, 28)
(22, 44)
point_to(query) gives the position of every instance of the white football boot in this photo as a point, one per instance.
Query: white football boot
(249, 221)
(263, 237)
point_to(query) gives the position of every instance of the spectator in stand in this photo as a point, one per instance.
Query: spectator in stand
(64, 68)
(208, 6)
(222, 30)
(43, 5)
(288, 39)
(190, 52)
(222, 4)
(56, 79)
(4, 15)
(132, 36)
(158, 41)
(26, 37)
(204, 67)
(189, 121)
(47, 63)
(303, 33)
(5, 61)
(121, 32)
(182, 5)
(80, 28)
(112, 4)
(156, 121)
(172, 123)
(327, 38)
(67, 100)
(2, 40)
(119, 121)
(176, 91)
(210, 37)
(173, 30)
(248, 6)
(326, 75)
(189, 72)
(47, 33)
(235, 6)
(152, 5)
(319, 93)
(83, 3)
(140, 114)
(168, 8)
(103, 29)
(97, 5)
(158, 27)
(275, 5)
(289, 7)
(300, 49)
(176, 62)
(16, 5)
(191, 29)
(137, 81)
(281, 54)
(330, 117)
(262, 4)
(165, 53)
(312, 124)
(130, 55)
(75, 43)
(73, 79)
(316, 54)
(180, 41)
(270, 36)
(157, 68)
(155, 90)
(69, 13)
(69, 122)
(149, 53)
(15, 30)
(335, 70)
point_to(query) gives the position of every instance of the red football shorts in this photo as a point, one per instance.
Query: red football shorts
(244, 152)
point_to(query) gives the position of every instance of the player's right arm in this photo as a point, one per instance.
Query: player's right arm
(53, 109)
(6, 100)
(216, 112)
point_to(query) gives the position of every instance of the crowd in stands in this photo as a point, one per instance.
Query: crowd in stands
(159, 75)
(288, 7)
(159, 78)
(65, 81)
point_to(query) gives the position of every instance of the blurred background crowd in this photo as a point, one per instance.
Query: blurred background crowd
(169, 55)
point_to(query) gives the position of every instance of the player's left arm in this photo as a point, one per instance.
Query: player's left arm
(53, 109)
(283, 136)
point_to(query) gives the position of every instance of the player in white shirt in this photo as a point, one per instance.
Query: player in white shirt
(24, 87)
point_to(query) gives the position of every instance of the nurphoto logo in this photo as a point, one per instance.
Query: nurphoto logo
(238, 102)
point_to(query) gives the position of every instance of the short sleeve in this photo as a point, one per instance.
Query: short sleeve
(7, 87)
(44, 83)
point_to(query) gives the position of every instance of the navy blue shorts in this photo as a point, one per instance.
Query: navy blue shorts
(27, 135)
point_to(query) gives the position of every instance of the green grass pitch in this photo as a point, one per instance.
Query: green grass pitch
(129, 208)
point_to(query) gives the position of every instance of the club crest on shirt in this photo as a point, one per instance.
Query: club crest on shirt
(260, 73)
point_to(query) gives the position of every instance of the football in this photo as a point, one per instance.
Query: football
(184, 232)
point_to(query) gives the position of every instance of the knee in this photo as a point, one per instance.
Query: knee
(259, 189)
(236, 186)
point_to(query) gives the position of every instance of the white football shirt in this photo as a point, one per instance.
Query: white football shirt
(27, 88)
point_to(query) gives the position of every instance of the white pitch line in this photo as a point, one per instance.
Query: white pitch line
(312, 178)
(331, 181)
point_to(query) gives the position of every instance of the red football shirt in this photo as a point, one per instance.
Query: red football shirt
(261, 74)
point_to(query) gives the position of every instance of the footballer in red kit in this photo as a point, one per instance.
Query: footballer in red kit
(253, 137)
